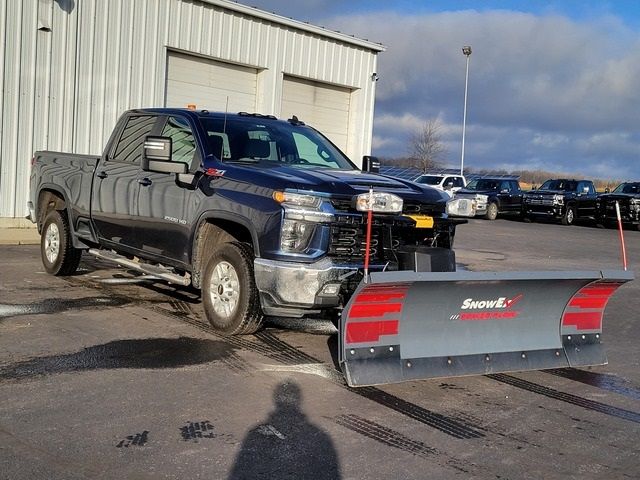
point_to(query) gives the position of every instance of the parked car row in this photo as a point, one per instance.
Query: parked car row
(562, 200)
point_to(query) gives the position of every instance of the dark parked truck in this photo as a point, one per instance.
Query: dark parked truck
(261, 214)
(561, 199)
(627, 195)
(268, 218)
(493, 196)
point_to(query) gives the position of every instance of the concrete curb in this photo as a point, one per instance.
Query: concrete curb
(19, 236)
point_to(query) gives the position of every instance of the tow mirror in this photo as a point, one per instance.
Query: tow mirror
(370, 164)
(156, 156)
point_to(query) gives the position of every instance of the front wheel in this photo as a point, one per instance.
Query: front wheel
(59, 257)
(229, 292)
(492, 211)
(569, 216)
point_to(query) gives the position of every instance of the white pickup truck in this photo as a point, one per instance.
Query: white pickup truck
(449, 183)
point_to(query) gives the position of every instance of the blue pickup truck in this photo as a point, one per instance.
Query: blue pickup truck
(265, 216)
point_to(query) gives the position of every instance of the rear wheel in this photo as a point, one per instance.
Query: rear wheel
(569, 216)
(229, 292)
(492, 211)
(59, 257)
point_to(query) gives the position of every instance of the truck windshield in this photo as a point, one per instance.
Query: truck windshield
(628, 188)
(564, 185)
(269, 142)
(483, 184)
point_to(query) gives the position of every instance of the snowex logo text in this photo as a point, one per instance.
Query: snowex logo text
(488, 309)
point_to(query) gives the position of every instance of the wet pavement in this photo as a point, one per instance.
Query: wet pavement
(109, 375)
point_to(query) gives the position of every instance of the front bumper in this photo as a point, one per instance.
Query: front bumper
(555, 211)
(481, 206)
(296, 289)
(627, 215)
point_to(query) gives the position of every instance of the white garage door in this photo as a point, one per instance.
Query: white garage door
(208, 83)
(324, 107)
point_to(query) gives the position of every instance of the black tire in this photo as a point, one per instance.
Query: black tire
(59, 257)
(569, 216)
(492, 211)
(232, 305)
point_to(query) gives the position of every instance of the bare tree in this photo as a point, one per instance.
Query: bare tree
(426, 147)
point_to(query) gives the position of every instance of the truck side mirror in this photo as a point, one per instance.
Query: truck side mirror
(607, 190)
(370, 164)
(156, 156)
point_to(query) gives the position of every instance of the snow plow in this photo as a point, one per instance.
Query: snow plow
(401, 326)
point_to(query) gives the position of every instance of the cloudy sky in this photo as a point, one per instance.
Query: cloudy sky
(553, 85)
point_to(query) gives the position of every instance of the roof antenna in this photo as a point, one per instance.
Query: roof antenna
(224, 128)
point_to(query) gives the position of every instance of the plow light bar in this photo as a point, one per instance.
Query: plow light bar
(379, 202)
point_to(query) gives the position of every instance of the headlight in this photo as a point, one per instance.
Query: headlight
(302, 212)
(461, 207)
(295, 235)
(302, 206)
(379, 202)
(297, 199)
(558, 200)
(634, 204)
(482, 198)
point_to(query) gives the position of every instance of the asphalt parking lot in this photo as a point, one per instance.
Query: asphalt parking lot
(104, 378)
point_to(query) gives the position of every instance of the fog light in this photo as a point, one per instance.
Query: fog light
(330, 289)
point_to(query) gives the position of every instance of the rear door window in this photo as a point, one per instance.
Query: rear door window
(129, 147)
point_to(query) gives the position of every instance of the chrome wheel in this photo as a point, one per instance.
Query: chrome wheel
(52, 242)
(570, 216)
(224, 290)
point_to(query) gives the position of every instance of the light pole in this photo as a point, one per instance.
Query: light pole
(466, 50)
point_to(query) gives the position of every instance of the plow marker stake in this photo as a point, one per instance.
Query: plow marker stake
(406, 325)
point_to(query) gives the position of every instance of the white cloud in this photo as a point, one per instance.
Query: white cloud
(545, 91)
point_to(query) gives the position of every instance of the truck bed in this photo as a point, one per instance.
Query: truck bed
(71, 172)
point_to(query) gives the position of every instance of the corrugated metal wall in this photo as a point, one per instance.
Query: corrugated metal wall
(70, 67)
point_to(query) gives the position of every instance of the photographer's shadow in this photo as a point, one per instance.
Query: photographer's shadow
(286, 445)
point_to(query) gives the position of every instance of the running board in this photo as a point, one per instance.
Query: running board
(158, 271)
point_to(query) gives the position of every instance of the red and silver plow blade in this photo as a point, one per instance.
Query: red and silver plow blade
(406, 326)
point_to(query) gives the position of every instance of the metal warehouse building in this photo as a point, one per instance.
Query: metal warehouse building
(70, 67)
